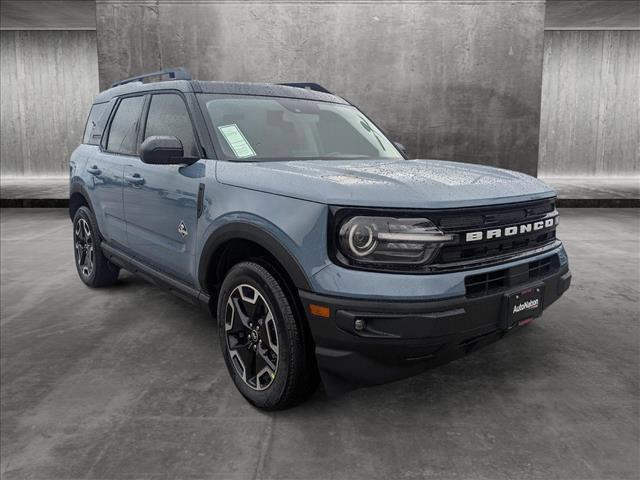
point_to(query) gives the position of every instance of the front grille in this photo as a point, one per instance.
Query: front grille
(500, 280)
(476, 251)
(491, 216)
(463, 254)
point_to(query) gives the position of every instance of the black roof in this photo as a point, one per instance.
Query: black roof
(235, 88)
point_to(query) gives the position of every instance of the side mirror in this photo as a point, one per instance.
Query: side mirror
(164, 151)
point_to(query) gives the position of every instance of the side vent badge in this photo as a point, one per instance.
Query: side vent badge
(182, 229)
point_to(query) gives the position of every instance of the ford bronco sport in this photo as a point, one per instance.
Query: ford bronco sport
(323, 252)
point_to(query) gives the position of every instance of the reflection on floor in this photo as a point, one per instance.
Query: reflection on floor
(596, 187)
(34, 192)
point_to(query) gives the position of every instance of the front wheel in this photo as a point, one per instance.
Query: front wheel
(263, 344)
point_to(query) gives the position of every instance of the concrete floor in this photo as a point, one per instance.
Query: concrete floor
(128, 382)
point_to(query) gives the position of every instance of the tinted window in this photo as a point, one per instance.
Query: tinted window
(271, 128)
(95, 124)
(122, 136)
(168, 116)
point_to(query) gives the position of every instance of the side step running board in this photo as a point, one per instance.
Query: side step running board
(164, 281)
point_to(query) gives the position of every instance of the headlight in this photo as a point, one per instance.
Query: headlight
(385, 240)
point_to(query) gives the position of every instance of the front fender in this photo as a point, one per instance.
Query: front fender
(259, 231)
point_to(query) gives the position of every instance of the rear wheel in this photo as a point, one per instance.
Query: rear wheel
(93, 267)
(263, 343)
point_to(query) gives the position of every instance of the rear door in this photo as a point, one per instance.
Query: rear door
(160, 201)
(106, 168)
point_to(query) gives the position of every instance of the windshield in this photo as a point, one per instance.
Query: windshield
(273, 128)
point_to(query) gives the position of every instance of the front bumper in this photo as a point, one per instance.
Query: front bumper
(403, 338)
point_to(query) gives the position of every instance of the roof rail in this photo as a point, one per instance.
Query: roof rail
(174, 73)
(308, 86)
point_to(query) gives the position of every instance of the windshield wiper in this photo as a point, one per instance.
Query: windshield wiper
(346, 156)
(332, 156)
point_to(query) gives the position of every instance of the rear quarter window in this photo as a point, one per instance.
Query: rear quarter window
(96, 122)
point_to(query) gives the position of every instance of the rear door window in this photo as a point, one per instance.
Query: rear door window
(123, 135)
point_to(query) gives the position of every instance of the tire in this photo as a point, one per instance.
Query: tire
(259, 332)
(93, 267)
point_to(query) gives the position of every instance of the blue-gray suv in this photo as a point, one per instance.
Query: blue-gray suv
(322, 250)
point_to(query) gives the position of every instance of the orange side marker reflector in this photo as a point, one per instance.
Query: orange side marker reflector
(319, 310)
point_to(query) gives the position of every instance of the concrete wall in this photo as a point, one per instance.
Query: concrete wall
(590, 124)
(449, 79)
(47, 81)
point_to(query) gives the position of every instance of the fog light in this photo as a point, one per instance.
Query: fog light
(360, 325)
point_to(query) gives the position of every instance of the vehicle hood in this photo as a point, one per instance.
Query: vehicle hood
(385, 183)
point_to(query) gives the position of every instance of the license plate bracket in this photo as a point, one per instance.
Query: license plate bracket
(522, 305)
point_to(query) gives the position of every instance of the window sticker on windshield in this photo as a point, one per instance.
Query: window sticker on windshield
(236, 141)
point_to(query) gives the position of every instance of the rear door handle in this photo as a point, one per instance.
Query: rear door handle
(134, 179)
(94, 170)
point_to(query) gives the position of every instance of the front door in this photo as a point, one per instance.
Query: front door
(160, 201)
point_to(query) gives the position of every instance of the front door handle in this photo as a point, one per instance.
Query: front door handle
(94, 170)
(134, 179)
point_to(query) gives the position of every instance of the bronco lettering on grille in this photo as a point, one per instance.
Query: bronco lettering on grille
(511, 231)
